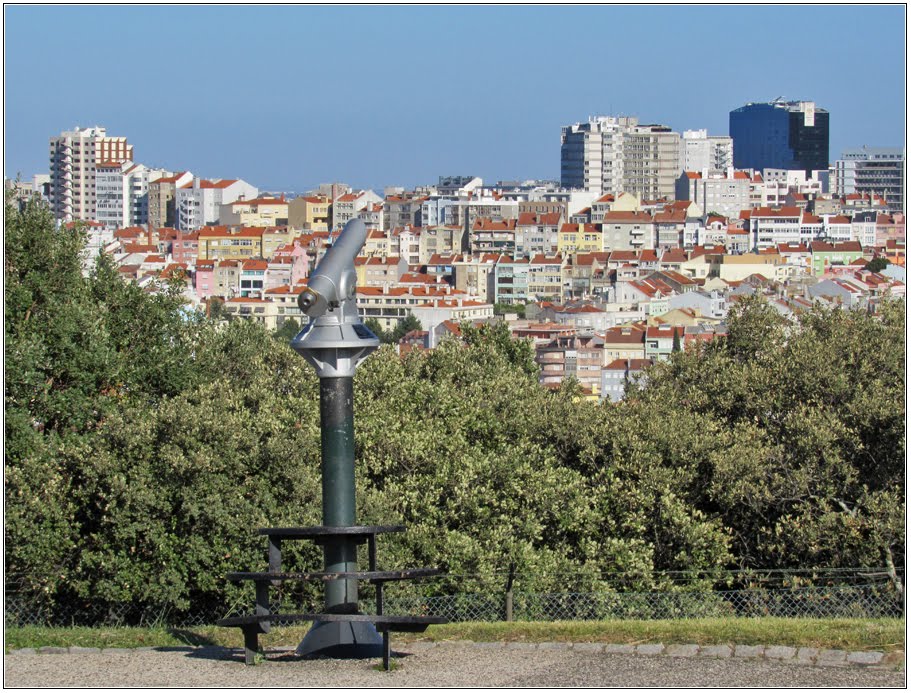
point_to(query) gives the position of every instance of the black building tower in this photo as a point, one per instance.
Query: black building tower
(791, 135)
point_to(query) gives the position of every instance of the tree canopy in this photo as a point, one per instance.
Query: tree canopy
(145, 443)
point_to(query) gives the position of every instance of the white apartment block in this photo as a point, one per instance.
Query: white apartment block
(199, 203)
(615, 155)
(74, 156)
(122, 193)
(726, 192)
(871, 170)
(591, 154)
(699, 151)
(349, 205)
(437, 210)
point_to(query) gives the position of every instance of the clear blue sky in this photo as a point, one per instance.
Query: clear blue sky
(288, 97)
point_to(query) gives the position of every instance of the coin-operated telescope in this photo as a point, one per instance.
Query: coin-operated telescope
(334, 343)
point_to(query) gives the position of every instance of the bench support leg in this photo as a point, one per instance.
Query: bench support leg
(251, 644)
(386, 650)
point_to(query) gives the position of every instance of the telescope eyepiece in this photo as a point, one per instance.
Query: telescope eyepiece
(307, 299)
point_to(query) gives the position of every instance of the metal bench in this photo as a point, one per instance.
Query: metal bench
(260, 621)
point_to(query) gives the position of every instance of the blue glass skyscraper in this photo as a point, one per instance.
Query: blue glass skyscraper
(791, 135)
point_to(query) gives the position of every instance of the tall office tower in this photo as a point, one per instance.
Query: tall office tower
(792, 135)
(700, 151)
(73, 159)
(871, 170)
(616, 154)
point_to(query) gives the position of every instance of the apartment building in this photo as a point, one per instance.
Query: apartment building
(162, 199)
(493, 236)
(876, 171)
(471, 272)
(122, 193)
(614, 155)
(346, 207)
(651, 162)
(699, 151)
(508, 283)
(545, 278)
(619, 374)
(576, 357)
(199, 203)
(627, 231)
(403, 210)
(74, 156)
(579, 238)
(311, 212)
(537, 233)
(725, 192)
(390, 305)
(221, 243)
(439, 240)
(259, 211)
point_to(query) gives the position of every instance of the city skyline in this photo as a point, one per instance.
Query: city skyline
(275, 95)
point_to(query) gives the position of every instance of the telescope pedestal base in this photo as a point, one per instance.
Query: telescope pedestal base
(342, 640)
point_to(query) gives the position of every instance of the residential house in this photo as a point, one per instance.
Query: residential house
(545, 277)
(824, 255)
(311, 212)
(260, 211)
(508, 283)
(579, 238)
(489, 236)
(538, 234)
(627, 231)
(619, 374)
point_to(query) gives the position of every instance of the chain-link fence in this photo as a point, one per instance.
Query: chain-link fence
(832, 594)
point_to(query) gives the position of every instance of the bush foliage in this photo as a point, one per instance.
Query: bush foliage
(146, 443)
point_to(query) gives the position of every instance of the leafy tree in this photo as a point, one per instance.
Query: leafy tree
(288, 330)
(877, 264)
(504, 308)
(403, 327)
(145, 443)
(808, 461)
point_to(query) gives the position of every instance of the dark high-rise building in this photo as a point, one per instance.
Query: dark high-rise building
(791, 135)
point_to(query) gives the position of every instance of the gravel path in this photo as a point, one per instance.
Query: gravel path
(445, 665)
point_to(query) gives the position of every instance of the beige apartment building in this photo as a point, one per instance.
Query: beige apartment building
(439, 240)
(651, 162)
(310, 212)
(261, 211)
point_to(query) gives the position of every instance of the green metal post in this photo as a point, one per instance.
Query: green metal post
(337, 428)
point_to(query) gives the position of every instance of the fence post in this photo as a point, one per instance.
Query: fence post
(509, 581)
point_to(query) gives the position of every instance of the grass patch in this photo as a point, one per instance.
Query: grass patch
(886, 635)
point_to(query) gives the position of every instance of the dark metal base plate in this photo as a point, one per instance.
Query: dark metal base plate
(342, 640)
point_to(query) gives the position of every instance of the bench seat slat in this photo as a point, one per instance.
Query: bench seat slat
(371, 575)
(382, 621)
(353, 531)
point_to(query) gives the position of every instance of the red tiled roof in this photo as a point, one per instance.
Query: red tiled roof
(627, 217)
(631, 364)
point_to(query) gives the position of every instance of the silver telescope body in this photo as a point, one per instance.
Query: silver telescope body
(334, 280)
